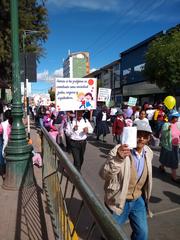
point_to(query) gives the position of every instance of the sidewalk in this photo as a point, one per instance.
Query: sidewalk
(24, 213)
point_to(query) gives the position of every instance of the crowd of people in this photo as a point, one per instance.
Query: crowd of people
(128, 171)
(71, 128)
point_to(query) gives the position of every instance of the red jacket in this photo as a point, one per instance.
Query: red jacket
(118, 126)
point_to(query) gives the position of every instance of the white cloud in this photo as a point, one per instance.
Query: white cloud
(42, 76)
(47, 77)
(58, 72)
(93, 70)
(103, 5)
(129, 10)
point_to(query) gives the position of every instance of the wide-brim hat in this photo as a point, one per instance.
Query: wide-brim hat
(143, 126)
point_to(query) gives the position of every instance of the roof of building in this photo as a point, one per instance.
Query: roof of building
(108, 66)
(146, 41)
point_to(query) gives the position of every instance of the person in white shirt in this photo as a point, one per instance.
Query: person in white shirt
(142, 117)
(77, 131)
(137, 111)
(150, 115)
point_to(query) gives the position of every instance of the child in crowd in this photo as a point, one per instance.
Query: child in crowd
(118, 126)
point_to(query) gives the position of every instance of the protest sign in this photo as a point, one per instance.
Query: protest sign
(132, 101)
(129, 137)
(104, 94)
(75, 94)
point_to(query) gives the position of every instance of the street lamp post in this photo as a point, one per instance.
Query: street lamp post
(19, 170)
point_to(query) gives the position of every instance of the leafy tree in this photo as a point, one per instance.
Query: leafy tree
(163, 61)
(33, 17)
(52, 94)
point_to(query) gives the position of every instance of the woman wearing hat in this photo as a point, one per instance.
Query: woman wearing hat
(170, 140)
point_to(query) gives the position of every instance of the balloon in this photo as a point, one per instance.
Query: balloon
(170, 102)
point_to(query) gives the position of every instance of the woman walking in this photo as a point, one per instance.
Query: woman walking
(170, 139)
(101, 123)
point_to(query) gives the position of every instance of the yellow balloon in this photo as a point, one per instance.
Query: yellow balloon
(170, 102)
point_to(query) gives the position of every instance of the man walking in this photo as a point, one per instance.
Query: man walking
(77, 131)
(128, 182)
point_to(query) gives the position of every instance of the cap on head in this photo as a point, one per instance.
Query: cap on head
(143, 126)
(174, 113)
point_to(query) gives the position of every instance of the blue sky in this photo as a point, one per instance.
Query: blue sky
(103, 27)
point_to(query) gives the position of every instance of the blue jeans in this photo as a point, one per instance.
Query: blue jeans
(136, 212)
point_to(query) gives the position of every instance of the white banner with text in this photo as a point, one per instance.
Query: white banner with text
(75, 93)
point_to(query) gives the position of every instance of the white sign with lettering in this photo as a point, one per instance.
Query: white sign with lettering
(104, 94)
(75, 94)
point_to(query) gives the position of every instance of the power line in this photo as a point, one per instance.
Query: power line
(125, 31)
(114, 23)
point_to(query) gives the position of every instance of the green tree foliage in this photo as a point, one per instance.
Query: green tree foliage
(52, 94)
(33, 17)
(163, 61)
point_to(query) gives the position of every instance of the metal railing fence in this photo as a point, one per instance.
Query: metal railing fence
(75, 211)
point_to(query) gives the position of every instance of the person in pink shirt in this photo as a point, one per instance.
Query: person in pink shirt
(2, 164)
(170, 140)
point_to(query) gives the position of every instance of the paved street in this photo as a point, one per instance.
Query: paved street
(165, 200)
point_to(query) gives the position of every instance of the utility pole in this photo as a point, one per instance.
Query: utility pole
(19, 169)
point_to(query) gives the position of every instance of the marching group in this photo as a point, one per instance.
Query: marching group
(127, 172)
(71, 128)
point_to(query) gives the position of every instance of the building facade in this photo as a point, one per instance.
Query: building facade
(109, 77)
(76, 65)
(134, 82)
(126, 77)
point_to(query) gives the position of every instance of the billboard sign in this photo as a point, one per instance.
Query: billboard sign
(75, 94)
